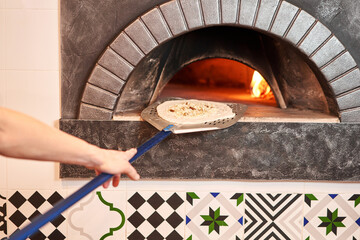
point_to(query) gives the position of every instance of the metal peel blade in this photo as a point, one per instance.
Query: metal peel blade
(150, 115)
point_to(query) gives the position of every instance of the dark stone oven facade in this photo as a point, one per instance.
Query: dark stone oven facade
(104, 45)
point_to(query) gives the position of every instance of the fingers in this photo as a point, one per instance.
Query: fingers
(106, 184)
(116, 180)
(117, 163)
(130, 153)
(132, 173)
(130, 170)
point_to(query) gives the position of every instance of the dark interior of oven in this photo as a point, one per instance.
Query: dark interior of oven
(294, 80)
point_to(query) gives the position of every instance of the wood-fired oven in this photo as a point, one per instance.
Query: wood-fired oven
(117, 57)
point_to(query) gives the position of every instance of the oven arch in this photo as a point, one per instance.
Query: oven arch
(177, 17)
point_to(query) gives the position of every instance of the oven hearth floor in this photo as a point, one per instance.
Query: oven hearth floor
(258, 113)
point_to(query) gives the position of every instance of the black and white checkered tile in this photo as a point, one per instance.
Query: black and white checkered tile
(155, 216)
(3, 223)
(23, 206)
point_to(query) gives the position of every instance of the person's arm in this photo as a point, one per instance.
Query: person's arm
(27, 138)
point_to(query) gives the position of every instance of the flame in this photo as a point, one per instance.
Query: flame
(259, 86)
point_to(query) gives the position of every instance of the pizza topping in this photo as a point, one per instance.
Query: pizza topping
(193, 111)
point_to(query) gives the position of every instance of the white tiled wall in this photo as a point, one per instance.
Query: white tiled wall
(35, 93)
(31, 4)
(2, 85)
(2, 37)
(3, 161)
(3, 173)
(29, 82)
(2, 50)
(33, 46)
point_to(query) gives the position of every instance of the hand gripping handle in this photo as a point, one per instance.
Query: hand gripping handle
(61, 206)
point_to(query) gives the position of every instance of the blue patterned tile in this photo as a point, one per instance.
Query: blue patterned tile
(332, 216)
(214, 215)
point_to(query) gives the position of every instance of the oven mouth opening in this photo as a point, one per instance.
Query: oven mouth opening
(221, 80)
(301, 93)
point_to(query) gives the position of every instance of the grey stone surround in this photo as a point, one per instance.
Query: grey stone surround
(173, 18)
(251, 151)
(102, 42)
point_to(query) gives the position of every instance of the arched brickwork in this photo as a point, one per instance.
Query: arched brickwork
(177, 17)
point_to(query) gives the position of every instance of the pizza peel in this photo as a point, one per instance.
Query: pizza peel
(150, 115)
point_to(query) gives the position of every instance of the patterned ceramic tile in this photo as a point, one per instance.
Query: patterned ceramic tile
(3, 223)
(155, 215)
(214, 215)
(273, 216)
(100, 215)
(332, 216)
(23, 206)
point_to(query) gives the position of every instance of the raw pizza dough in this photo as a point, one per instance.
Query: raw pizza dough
(193, 111)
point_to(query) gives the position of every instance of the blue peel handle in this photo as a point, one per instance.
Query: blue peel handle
(61, 206)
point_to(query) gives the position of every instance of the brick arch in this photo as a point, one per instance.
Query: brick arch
(176, 17)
